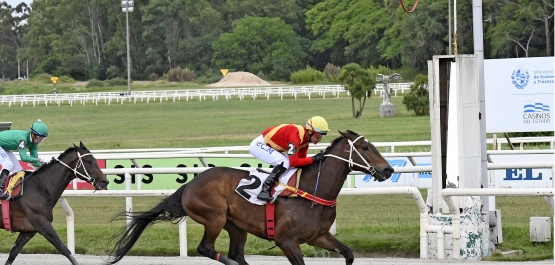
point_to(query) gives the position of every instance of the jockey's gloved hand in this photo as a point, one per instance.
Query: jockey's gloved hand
(45, 160)
(318, 157)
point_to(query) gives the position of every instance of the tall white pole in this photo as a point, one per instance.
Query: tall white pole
(128, 55)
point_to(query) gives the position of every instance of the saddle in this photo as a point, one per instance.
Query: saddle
(14, 185)
(292, 182)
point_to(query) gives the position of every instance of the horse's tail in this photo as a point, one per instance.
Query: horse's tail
(170, 209)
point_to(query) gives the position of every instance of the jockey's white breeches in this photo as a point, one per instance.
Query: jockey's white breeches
(9, 161)
(259, 149)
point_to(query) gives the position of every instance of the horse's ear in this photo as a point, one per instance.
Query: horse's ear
(74, 146)
(342, 133)
(82, 145)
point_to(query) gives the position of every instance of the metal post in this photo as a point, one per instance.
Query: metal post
(128, 55)
(127, 6)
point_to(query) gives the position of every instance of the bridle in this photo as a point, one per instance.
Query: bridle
(79, 164)
(368, 167)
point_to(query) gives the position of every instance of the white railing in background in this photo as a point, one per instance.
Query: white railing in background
(173, 95)
(389, 146)
(240, 93)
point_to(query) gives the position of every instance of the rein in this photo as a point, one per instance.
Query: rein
(86, 177)
(324, 202)
(317, 180)
(310, 197)
(351, 162)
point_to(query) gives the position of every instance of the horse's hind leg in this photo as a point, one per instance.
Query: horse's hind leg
(206, 246)
(22, 239)
(237, 240)
(329, 242)
(292, 251)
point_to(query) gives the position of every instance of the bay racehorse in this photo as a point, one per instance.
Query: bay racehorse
(32, 213)
(210, 199)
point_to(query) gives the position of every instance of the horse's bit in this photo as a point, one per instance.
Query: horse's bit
(79, 164)
(351, 162)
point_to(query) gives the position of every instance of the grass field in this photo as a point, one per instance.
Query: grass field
(206, 123)
(370, 225)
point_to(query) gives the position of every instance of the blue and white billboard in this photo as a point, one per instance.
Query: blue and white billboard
(519, 94)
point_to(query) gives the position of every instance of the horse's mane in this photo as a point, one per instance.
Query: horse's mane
(44, 167)
(336, 140)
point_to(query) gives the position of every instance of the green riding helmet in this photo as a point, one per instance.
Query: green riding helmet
(39, 128)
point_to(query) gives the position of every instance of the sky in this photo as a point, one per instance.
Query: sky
(14, 3)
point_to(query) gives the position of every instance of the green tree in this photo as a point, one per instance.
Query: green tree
(417, 99)
(520, 28)
(76, 32)
(424, 34)
(286, 10)
(264, 45)
(165, 23)
(205, 24)
(12, 30)
(359, 83)
(351, 30)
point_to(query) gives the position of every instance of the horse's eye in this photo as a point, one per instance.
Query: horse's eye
(365, 148)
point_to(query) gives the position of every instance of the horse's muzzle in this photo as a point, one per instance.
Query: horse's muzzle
(102, 185)
(384, 174)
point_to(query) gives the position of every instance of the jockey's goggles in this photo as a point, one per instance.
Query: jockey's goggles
(38, 139)
(38, 133)
(319, 133)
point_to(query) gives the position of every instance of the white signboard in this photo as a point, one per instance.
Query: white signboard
(503, 178)
(519, 94)
(522, 177)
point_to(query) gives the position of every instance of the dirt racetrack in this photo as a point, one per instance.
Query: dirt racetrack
(48, 259)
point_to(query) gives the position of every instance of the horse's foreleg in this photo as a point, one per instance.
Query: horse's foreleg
(329, 242)
(237, 240)
(22, 239)
(50, 234)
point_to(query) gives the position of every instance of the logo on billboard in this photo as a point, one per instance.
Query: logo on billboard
(520, 78)
(536, 113)
(536, 107)
(395, 176)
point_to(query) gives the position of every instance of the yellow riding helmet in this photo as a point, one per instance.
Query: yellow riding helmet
(318, 124)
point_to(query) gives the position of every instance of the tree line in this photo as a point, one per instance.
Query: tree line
(86, 39)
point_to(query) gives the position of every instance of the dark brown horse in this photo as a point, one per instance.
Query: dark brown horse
(210, 199)
(32, 213)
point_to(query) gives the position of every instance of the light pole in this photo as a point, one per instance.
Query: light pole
(127, 6)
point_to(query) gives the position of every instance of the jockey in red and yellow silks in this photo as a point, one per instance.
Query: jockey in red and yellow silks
(285, 147)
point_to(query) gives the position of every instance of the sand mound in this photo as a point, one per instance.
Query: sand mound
(238, 79)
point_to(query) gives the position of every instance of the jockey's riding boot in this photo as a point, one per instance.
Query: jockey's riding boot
(270, 182)
(3, 177)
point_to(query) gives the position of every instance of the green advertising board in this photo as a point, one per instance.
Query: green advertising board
(171, 181)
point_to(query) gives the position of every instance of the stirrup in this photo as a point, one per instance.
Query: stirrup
(262, 196)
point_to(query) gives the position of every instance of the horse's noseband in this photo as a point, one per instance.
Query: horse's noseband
(368, 167)
(79, 164)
